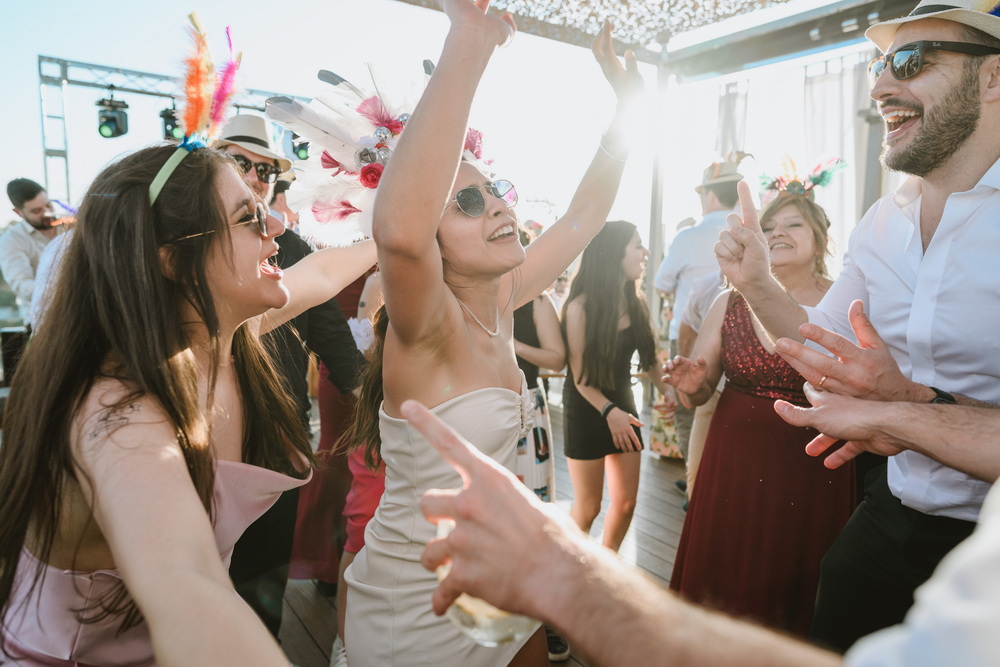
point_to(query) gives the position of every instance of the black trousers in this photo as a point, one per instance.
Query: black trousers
(259, 568)
(884, 553)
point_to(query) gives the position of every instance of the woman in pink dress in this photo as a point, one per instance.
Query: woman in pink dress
(146, 428)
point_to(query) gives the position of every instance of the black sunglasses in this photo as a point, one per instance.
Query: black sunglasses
(259, 216)
(266, 172)
(471, 201)
(907, 61)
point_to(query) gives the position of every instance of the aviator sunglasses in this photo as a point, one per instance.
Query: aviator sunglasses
(259, 216)
(266, 172)
(907, 61)
(471, 201)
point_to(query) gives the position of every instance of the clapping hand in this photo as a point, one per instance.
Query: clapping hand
(839, 418)
(685, 375)
(866, 370)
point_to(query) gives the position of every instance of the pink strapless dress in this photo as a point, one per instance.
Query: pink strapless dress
(42, 627)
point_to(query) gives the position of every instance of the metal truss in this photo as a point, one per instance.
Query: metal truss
(55, 75)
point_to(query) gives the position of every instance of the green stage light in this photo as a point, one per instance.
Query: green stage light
(172, 131)
(112, 119)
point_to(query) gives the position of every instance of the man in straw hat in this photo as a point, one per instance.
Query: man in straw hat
(690, 257)
(922, 263)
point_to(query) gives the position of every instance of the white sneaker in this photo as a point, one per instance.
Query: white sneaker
(338, 655)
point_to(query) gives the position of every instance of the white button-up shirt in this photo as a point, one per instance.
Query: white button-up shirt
(955, 619)
(691, 256)
(938, 311)
(20, 247)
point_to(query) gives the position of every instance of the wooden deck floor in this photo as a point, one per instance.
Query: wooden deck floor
(309, 621)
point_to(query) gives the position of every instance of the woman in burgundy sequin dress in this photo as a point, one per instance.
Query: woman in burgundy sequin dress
(764, 513)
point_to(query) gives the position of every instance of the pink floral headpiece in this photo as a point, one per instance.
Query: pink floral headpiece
(356, 132)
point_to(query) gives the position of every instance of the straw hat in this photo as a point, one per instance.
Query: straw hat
(978, 14)
(252, 133)
(720, 172)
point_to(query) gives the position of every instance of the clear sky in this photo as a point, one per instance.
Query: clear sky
(542, 105)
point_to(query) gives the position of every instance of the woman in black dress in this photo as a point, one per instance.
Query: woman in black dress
(604, 324)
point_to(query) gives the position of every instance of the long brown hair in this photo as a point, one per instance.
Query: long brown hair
(601, 279)
(114, 312)
(363, 430)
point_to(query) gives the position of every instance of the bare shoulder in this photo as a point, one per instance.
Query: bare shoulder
(574, 309)
(116, 410)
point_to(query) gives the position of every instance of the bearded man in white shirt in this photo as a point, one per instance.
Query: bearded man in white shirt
(23, 242)
(922, 262)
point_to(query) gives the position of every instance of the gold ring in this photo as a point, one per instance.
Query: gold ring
(821, 381)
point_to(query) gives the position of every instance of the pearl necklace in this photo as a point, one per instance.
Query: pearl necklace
(491, 334)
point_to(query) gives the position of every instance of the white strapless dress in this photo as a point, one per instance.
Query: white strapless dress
(390, 621)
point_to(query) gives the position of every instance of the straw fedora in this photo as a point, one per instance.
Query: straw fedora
(973, 13)
(720, 172)
(252, 133)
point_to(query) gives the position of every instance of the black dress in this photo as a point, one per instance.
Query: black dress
(586, 435)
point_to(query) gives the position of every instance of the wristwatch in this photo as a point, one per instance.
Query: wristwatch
(943, 397)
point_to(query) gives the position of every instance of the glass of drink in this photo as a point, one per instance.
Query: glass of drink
(484, 623)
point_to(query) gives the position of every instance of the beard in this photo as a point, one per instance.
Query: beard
(944, 130)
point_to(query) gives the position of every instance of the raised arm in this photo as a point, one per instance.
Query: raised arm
(317, 278)
(417, 182)
(743, 257)
(550, 353)
(550, 254)
(162, 542)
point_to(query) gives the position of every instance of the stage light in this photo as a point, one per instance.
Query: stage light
(112, 120)
(300, 149)
(172, 130)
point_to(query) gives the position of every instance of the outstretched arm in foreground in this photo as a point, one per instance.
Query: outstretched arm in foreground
(528, 557)
(960, 437)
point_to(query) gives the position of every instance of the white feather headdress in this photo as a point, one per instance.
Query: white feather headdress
(356, 132)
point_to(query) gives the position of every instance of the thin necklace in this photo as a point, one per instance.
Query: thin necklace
(491, 334)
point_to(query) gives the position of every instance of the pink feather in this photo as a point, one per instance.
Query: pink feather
(474, 142)
(373, 109)
(333, 211)
(329, 162)
(226, 85)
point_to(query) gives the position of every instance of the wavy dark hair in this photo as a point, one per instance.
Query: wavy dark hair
(601, 280)
(115, 314)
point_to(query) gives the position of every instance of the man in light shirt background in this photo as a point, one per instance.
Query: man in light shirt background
(23, 242)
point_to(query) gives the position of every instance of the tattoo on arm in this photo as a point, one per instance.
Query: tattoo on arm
(113, 419)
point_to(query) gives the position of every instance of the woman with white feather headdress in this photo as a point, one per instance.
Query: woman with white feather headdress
(453, 272)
